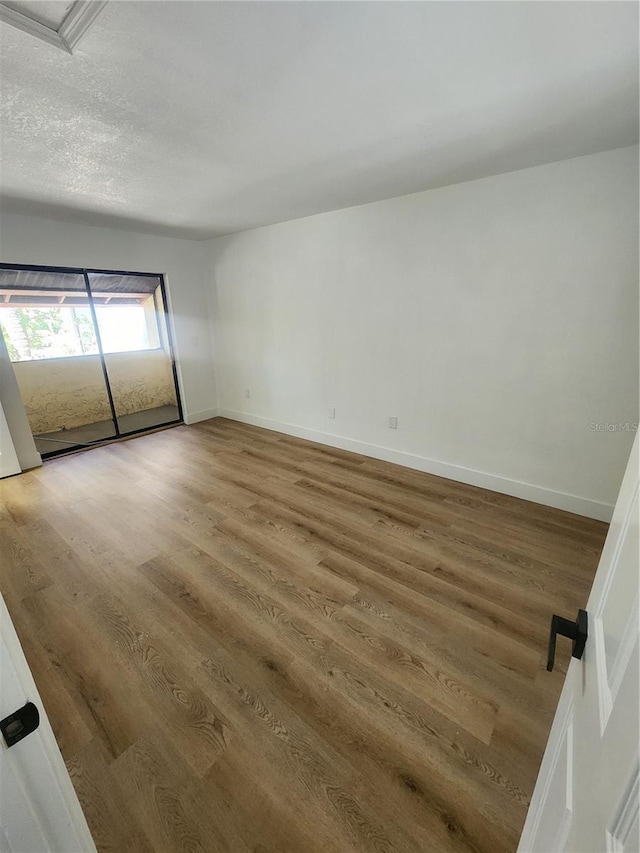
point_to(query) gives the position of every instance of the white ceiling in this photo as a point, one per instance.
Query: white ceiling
(203, 118)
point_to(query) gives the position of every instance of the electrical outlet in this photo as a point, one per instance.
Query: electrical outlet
(393, 423)
(332, 411)
(247, 393)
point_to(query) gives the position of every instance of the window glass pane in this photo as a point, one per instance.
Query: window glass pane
(45, 314)
(131, 322)
(123, 328)
(125, 311)
(52, 332)
(34, 282)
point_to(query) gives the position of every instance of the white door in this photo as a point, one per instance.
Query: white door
(39, 809)
(586, 798)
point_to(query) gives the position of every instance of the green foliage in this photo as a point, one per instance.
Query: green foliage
(14, 355)
(49, 332)
(39, 325)
(83, 325)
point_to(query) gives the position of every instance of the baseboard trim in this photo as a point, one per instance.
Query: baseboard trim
(493, 482)
(196, 417)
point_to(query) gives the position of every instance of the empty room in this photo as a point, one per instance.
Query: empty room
(319, 476)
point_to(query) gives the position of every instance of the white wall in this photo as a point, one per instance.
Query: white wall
(19, 440)
(27, 240)
(497, 320)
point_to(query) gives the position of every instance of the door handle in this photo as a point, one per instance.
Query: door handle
(576, 631)
(20, 724)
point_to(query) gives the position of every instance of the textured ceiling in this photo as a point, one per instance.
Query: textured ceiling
(202, 118)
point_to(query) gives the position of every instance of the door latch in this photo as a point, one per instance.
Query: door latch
(576, 631)
(20, 724)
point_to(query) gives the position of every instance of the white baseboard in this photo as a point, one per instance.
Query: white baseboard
(515, 488)
(195, 417)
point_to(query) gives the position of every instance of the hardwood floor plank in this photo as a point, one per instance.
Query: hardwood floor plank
(251, 643)
(29, 573)
(329, 660)
(142, 773)
(106, 806)
(255, 814)
(408, 565)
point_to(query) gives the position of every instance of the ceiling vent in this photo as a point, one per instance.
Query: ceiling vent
(58, 22)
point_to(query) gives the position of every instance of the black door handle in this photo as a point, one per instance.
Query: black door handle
(20, 724)
(576, 631)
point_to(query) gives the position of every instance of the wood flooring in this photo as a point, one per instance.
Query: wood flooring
(249, 642)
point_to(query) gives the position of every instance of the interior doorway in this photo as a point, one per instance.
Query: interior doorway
(91, 351)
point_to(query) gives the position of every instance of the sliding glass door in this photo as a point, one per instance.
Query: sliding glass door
(91, 351)
(131, 319)
(49, 331)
